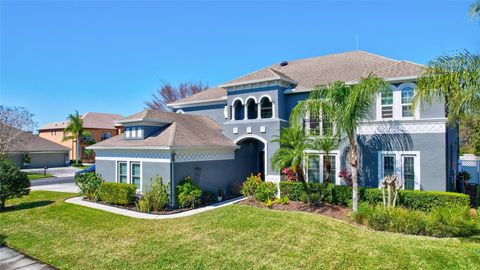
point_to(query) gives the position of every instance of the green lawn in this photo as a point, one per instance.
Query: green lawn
(33, 176)
(235, 237)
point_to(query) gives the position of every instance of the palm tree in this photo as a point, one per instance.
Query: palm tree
(326, 144)
(350, 105)
(75, 131)
(455, 80)
(475, 9)
(291, 154)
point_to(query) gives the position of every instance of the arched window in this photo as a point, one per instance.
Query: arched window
(252, 109)
(407, 97)
(266, 110)
(238, 110)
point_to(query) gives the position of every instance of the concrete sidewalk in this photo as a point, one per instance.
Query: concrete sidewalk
(11, 259)
(135, 214)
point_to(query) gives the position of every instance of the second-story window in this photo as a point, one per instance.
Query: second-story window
(318, 124)
(387, 102)
(266, 108)
(238, 110)
(106, 135)
(407, 98)
(252, 110)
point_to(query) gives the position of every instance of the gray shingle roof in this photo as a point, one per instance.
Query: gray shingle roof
(90, 120)
(323, 70)
(181, 131)
(23, 141)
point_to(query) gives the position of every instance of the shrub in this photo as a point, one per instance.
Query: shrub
(208, 197)
(417, 199)
(315, 199)
(13, 182)
(188, 193)
(441, 221)
(117, 193)
(265, 191)
(250, 185)
(451, 220)
(89, 185)
(342, 195)
(155, 198)
(283, 200)
(269, 203)
(333, 194)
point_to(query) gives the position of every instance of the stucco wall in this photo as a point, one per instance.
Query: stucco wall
(106, 168)
(216, 112)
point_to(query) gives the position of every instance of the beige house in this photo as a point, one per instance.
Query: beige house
(100, 125)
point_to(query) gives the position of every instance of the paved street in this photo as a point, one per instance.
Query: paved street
(11, 259)
(57, 172)
(64, 184)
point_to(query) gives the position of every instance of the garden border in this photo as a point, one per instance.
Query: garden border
(135, 214)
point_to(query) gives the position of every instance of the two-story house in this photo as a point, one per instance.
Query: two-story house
(101, 126)
(223, 134)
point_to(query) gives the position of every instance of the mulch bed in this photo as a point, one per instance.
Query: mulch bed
(329, 210)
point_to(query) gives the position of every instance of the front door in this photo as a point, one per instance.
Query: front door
(261, 163)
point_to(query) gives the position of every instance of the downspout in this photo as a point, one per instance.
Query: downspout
(172, 179)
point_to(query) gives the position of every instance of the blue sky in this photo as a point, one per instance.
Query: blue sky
(110, 56)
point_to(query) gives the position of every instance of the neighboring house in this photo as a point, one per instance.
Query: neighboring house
(100, 125)
(251, 110)
(27, 150)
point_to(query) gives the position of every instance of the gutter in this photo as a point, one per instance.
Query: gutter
(172, 179)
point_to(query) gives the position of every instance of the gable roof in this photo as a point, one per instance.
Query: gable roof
(92, 120)
(323, 70)
(180, 131)
(23, 141)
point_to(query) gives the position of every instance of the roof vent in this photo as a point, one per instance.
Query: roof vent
(283, 63)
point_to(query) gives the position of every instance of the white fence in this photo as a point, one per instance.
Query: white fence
(471, 164)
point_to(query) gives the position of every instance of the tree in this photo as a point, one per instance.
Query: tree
(475, 9)
(453, 80)
(326, 144)
(291, 154)
(13, 182)
(352, 104)
(168, 93)
(12, 121)
(76, 131)
(470, 134)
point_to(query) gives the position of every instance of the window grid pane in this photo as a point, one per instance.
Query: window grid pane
(407, 95)
(313, 168)
(407, 111)
(409, 173)
(387, 96)
(135, 174)
(122, 172)
(387, 111)
(333, 169)
(388, 165)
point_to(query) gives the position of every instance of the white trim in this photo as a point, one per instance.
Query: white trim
(130, 176)
(399, 165)
(250, 97)
(397, 104)
(336, 153)
(204, 102)
(157, 160)
(402, 127)
(180, 111)
(235, 99)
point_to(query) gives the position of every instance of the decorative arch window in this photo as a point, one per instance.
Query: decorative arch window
(238, 110)
(407, 98)
(266, 108)
(252, 109)
(387, 102)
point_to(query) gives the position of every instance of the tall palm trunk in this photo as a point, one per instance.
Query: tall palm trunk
(353, 159)
(78, 148)
(301, 177)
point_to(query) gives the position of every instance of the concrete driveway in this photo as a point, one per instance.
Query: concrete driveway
(57, 172)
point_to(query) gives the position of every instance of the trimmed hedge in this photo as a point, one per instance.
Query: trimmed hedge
(117, 193)
(417, 199)
(342, 195)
